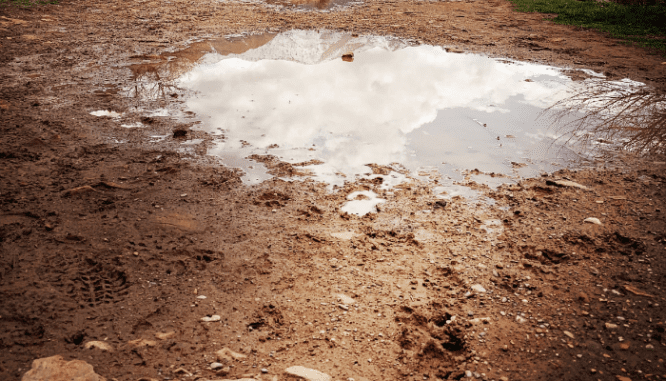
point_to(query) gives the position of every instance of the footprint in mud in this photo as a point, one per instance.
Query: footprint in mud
(93, 284)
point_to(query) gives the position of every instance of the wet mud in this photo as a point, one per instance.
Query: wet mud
(127, 245)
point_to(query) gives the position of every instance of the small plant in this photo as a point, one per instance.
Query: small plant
(633, 117)
(638, 21)
(26, 3)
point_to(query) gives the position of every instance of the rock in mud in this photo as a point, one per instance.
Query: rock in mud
(307, 374)
(210, 319)
(55, 368)
(345, 299)
(102, 346)
(566, 183)
(226, 354)
(165, 335)
(593, 220)
(478, 288)
(140, 343)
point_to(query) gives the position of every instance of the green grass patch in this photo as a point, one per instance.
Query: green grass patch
(644, 25)
(26, 3)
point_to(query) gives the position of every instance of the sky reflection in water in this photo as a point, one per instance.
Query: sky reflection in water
(418, 106)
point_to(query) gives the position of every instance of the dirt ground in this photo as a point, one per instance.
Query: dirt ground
(128, 246)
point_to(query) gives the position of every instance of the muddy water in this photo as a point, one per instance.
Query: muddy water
(342, 102)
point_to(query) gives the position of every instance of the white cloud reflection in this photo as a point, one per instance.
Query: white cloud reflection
(296, 92)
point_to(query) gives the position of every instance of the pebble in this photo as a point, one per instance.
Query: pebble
(495, 273)
(345, 299)
(264, 370)
(611, 326)
(209, 319)
(140, 343)
(165, 335)
(468, 373)
(521, 319)
(568, 334)
(226, 354)
(216, 365)
(102, 346)
(567, 183)
(478, 288)
(307, 374)
(201, 297)
(55, 368)
(593, 220)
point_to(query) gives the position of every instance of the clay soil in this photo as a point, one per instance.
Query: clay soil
(119, 243)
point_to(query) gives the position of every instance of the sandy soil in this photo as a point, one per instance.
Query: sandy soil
(131, 245)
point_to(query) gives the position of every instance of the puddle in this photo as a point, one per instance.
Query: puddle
(314, 5)
(362, 203)
(342, 103)
(305, 5)
(111, 114)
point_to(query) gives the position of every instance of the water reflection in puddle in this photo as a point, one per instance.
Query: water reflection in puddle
(293, 96)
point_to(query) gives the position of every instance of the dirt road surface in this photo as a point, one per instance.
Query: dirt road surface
(145, 260)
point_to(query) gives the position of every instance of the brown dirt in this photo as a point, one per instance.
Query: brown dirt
(115, 242)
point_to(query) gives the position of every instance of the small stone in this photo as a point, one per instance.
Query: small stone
(649, 346)
(521, 319)
(593, 371)
(566, 183)
(478, 288)
(140, 343)
(55, 368)
(346, 236)
(201, 297)
(593, 220)
(568, 334)
(504, 378)
(307, 374)
(625, 346)
(495, 273)
(165, 335)
(209, 319)
(482, 266)
(226, 354)
(468, 373)
(583, 297)
(102, 346)
(216, 366)
(345, 299)
(264, 370)
(622, 378)
(611, 326)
